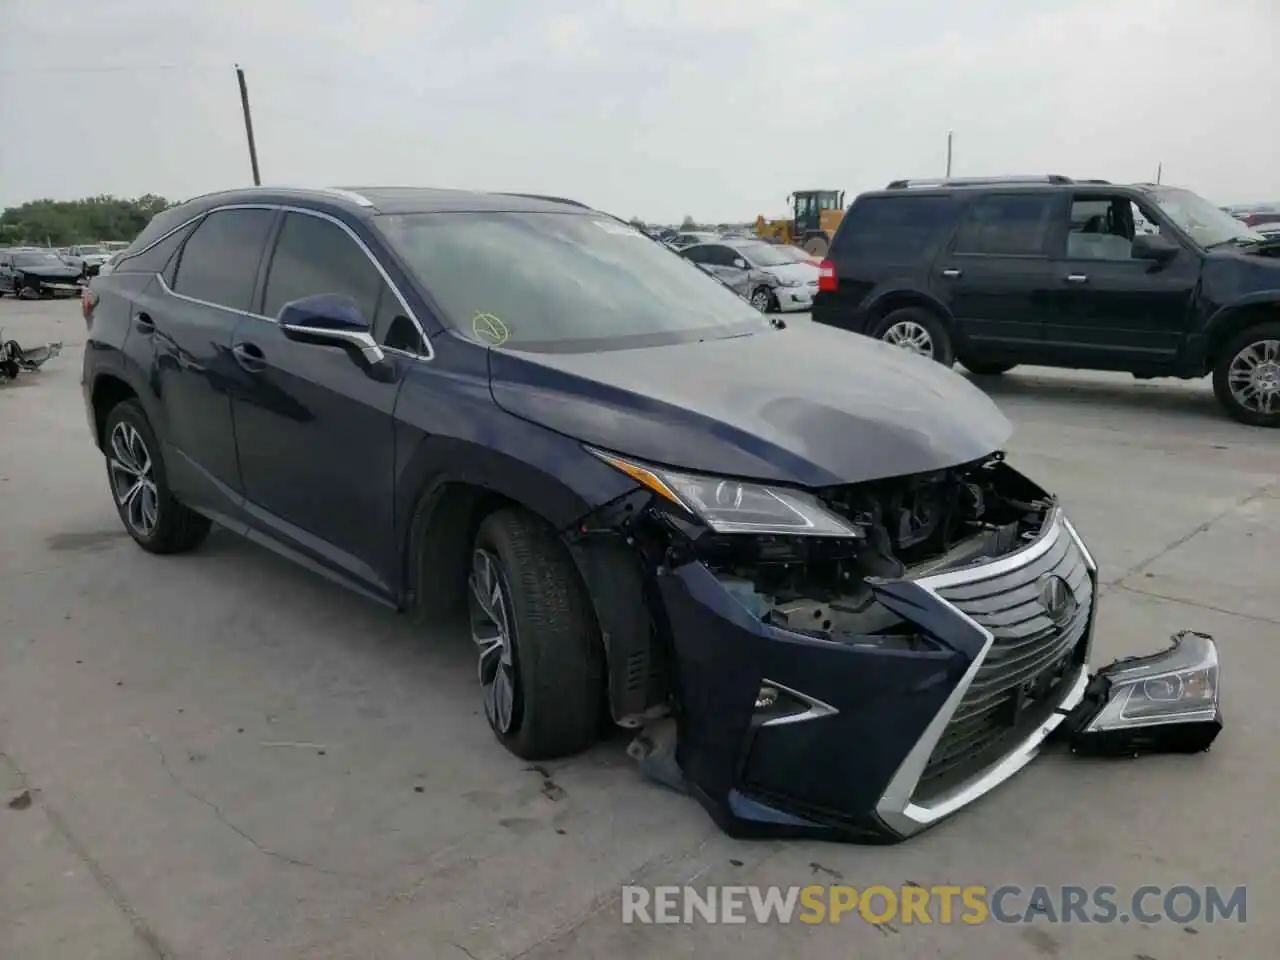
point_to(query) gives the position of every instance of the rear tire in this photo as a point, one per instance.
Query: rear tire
(918, 330)
(981, 369)
(1246, 378)
(541, 656)
(140, 488)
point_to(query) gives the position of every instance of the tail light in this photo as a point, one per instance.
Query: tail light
(88, 300)
(827, 281)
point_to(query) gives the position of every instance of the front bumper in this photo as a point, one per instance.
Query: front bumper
(793, 299)
(882, 744)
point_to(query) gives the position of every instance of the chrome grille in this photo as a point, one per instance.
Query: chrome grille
(1027, 647)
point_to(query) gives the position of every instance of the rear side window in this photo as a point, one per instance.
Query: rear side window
(219, 264)
(1006, 225)
(896, 229)
(156, 258)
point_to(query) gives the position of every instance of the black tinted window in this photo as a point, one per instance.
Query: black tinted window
(697, 254)
(220, 262)
(895, 228)
(314, 256)
(155, 259)
(1006, 225)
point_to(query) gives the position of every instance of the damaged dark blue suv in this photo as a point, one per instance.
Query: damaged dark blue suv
(802, 552)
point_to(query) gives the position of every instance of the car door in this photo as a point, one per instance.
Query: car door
(184, 323)
(994, 274)
(1107, 309)
(6, 272)
(314, 428)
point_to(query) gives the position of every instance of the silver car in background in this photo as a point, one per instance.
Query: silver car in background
(777, 278)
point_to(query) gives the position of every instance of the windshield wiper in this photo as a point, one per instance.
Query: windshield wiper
(1242, 240)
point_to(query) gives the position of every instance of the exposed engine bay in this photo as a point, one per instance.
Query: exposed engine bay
(910, 527)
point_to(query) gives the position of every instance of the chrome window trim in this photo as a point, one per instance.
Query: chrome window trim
(320, 214)
(895, 807)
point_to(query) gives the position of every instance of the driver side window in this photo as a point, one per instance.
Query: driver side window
(314, 256)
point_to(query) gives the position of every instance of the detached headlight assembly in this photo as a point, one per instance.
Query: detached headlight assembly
(732, 506)
(1163, 703)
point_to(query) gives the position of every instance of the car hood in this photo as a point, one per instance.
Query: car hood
(807, 405)
(49, 271)
(803, 272)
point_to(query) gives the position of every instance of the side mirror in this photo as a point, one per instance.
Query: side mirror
(740, 263)
(1154, 247)
(330, 319)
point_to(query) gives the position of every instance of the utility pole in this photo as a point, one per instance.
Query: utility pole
(1159, 171)
(248, 125)
(948, 154)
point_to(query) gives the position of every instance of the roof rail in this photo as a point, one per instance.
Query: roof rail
(977, 181)
(1094, 181)
(358, 199)
(540, 196)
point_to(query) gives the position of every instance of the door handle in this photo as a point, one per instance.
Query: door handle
(249, 356)
(951, 273)
(144, 324)
(1077, 278)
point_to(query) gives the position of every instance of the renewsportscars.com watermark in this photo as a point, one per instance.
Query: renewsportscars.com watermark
(969, 905)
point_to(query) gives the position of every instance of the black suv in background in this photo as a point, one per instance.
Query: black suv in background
(994, 272)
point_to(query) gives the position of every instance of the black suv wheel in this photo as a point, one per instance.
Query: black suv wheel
(919, 331)
(1246, 378)
(157, 522)
(541, 658)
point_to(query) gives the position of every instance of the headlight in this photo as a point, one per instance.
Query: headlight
(788, 282)
(732, 506)
(1178, 686)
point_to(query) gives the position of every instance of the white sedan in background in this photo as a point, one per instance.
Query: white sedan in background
(781, 278)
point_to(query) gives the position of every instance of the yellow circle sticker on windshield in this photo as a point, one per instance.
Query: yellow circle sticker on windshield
(486, 326)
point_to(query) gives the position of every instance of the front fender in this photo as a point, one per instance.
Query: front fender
(1230, 318)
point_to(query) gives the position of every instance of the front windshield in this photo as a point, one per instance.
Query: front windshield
(36, 260)
(93, 251)
(1206, 224)
(560, 281)
(765, 254)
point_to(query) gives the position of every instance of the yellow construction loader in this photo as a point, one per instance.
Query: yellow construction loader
(815, 214)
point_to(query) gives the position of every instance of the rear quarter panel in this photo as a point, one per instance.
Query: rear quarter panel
(110, 349)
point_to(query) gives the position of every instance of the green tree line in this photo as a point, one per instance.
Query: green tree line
(60, 223)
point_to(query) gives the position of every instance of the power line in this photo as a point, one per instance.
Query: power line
(119, 68)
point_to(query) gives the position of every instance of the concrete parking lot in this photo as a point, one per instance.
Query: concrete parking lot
(221, 756)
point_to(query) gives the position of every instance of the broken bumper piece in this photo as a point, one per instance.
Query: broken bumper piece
(1166, 702)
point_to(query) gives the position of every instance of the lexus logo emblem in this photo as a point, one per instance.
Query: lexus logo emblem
(1057, 599)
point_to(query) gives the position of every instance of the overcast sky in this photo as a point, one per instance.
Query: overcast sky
(650, 108)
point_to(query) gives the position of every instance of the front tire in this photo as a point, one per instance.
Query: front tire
(135, 471)
(1246, 378)
(817, 247)
(541, 658)
(762, 299)
(919, 331)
